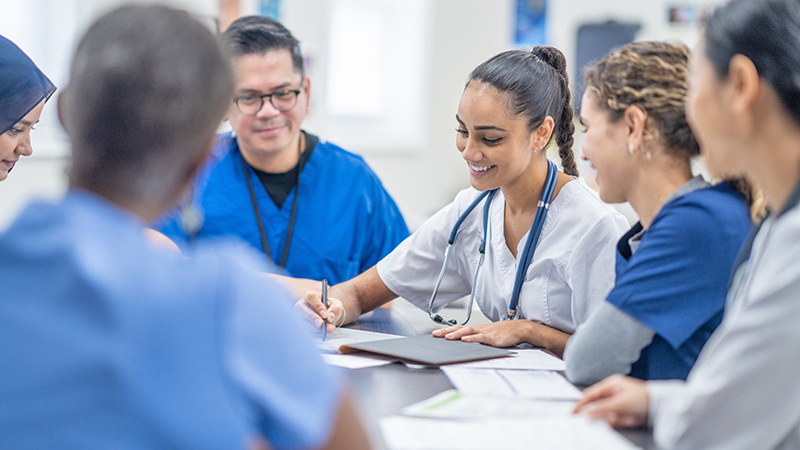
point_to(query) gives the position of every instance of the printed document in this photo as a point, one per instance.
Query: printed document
(455, 405)
(537, 384)
(558, 433)
(347, 336)
(523, 359)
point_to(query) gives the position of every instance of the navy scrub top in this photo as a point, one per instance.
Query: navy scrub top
(676, 282)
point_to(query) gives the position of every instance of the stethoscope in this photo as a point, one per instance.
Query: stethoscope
(525, 258)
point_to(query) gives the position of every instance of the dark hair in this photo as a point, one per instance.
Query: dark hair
(148, 87)
(768, 33)
(652, 76)
(538, 86)
(258, 35)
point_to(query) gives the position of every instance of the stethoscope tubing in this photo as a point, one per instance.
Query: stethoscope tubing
(527, 255)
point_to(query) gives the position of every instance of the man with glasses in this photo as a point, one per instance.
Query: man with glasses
(310, 206)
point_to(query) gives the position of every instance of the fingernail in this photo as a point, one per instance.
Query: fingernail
(317, 323)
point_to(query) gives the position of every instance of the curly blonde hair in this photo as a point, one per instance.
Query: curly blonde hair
(652, 76)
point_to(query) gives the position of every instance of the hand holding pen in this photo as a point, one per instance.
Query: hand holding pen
(312, 308)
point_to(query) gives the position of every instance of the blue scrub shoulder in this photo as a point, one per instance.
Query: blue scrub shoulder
(676, 282)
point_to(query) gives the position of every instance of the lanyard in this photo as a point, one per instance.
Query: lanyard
(257, 211)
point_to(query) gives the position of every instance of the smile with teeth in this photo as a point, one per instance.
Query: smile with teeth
(480, 168)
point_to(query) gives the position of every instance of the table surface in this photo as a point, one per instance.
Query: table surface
(384, 390)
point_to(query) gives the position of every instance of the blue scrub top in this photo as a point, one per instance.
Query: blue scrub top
(109, 342)
(345, 220)
(676, 282)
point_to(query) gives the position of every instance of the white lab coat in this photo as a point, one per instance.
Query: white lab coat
(744, 390)
(571, 273)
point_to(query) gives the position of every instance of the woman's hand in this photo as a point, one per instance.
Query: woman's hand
(311, 308)
(619, 400)
(507, 333)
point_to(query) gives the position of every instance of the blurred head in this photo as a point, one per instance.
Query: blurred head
(266, 60)
(148, 88)
(513, 105)
(633, 110)
(743, 40)
(23, 91)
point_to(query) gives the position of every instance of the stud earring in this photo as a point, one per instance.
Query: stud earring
(630, 149)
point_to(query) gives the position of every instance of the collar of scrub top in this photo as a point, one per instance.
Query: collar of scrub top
(747, 248)
(524, 260)
(22, 85)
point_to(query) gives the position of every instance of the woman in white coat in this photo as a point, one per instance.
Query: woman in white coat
(548, 239)
(744, 107)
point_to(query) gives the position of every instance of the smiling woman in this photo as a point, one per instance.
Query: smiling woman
(543, 238)
(660, 312)
(23, 91)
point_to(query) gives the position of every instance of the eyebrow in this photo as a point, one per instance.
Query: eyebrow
(27, 122)
(276, 88)
(482, 127)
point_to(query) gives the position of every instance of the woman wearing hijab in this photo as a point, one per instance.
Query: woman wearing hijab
(23, 91)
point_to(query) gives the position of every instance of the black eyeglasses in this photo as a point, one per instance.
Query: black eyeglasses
(251, 104)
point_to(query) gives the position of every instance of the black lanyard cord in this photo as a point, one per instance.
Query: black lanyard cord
(257, 211)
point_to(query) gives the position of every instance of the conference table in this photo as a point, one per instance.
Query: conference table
(384, 390)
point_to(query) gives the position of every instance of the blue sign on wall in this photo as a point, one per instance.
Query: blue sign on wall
(530, 23)
(270, 8)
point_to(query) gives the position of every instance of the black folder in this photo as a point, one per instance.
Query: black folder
(428, 350)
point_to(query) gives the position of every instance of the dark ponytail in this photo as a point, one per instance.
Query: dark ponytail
(566, 127)
(538, 86)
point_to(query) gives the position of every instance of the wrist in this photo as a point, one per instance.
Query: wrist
(547, 337)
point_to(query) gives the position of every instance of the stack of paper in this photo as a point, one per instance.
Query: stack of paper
(347, 336)
(536, 384)
(455, 405)
(558, 433)
(522, 359)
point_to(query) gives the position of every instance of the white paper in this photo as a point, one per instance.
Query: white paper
(455, 405)
(354, 361)
(526, 359)
(347, 336)
(538, 384)
(559, 433)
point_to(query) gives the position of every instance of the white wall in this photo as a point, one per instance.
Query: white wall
(422, 179)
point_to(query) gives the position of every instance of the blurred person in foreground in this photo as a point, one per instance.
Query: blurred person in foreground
(114, 343)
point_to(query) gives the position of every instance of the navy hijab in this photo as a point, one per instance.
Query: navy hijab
(22, 85)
